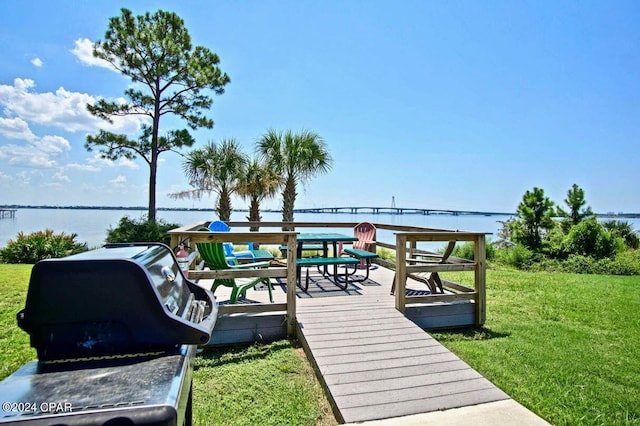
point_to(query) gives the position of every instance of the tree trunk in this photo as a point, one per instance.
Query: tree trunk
(254, 213)
(153, 171)
(288, 202)
(224, 206)
(153, 164)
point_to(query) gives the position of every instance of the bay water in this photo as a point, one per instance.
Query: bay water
(91, 225)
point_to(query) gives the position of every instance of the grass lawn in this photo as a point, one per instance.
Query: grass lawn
(566, 346)
(260, 385)
(263, 384)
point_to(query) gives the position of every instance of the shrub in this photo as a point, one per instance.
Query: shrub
(31, 248)
(516, 256)
(467, 251)
(553, 244)
(548, 265)
(386, 254)
(625, 231)
(140, 230)
(589, 238)
(579, 264)
(625, 263)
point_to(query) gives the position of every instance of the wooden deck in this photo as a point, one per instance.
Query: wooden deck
(373, 362)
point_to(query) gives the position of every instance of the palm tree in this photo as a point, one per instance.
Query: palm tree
(215, 168)
(257, 183)
(296, 157)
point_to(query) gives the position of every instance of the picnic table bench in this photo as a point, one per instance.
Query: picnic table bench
(324, 262)
(361, 255)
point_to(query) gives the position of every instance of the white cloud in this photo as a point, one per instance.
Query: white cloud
(119, 181)
(99, 163)
(16, 128)
(59, 176)
(53, 144)
(37, 62)
(35, 152)
(129, 164)
(63, 109)
(83, 167)
(25, 155)
(83, 50)
(5, 178)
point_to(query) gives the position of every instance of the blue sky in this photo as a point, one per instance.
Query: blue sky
(444, 105)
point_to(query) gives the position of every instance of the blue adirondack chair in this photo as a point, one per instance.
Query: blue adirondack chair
(219, 226)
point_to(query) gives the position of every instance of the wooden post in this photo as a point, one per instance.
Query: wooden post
(175, 240)
(292, 279)
(480, 252)
(401, 272)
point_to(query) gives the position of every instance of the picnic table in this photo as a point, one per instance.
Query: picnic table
(325, 261)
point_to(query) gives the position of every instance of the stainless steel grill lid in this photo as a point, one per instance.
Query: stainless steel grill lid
(114, 300)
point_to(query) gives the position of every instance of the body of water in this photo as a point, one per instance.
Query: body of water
(91, 225)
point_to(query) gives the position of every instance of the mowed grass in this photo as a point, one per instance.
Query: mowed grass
(14, 281)
(566, 346)
(261, 384)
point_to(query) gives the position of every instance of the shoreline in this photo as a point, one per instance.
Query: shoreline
(394, 211)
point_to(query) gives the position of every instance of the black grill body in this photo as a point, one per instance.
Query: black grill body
(116, 331)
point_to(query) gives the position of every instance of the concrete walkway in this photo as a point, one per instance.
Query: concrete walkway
(507, 412)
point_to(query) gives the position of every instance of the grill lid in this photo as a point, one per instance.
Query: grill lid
(114, 300)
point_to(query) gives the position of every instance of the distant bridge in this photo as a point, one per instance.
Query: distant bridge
(397, 210)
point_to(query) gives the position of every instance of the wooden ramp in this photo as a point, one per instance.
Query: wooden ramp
(376, 364)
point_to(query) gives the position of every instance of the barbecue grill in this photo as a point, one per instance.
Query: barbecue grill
(116, 331)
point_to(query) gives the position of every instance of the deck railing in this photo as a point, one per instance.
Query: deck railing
(406, 243)
(406, 247)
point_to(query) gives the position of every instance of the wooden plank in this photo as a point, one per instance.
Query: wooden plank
(440, 267)
(441, 298)
(412, 394)
(401, 273)
(251, 308)
(445, 321)
(346, 318)
(406, 382)
(262, 334)
(351, 312)
(374, 343)
(441, 309)
(480, 279)
(292, 278)
(379, 346)
(396, 372)
(399, 362)
(382, 355)
(371, 331)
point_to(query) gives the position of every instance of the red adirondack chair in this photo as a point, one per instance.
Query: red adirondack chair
(366, 234)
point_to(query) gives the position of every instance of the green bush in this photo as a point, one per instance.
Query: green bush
(625, 263)
(140, 230)
(386, 254)
(516, 256)
(589, 238)
(625, 231)
(31, 248)
(467, 251)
